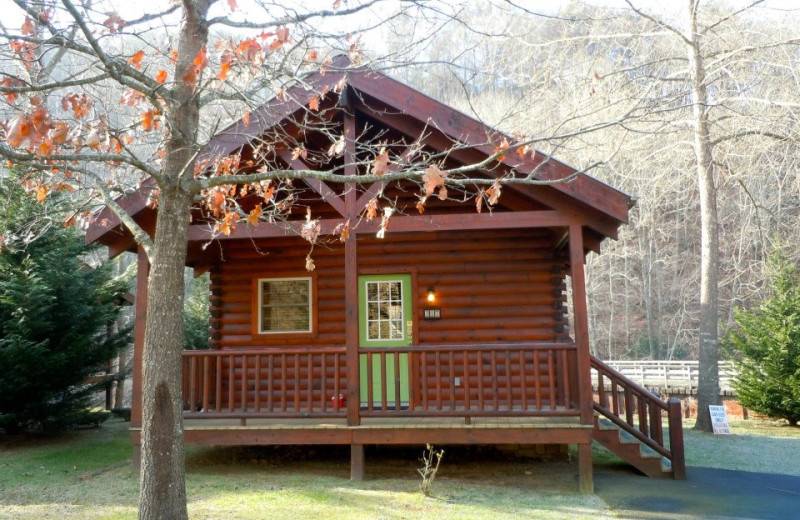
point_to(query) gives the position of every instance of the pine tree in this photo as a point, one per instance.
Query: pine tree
(765, 347)
(54, 316)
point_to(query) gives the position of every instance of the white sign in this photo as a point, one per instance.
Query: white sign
(719, 419)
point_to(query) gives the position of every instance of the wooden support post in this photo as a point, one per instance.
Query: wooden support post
(676, 439)
(140, 319)
(142, 274)
(356, 462)
(585, 472)
(581, 324)
(351, 282)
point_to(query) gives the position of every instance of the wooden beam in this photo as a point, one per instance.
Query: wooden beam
(585, 471)
(399, 223)
(581, 325)
(327, 194)
(469, 221)
(356, 462)
(142, 274)
(352, 338)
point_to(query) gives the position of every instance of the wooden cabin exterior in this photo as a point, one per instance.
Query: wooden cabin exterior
(452, 328)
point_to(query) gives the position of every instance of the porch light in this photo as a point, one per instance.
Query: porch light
(431, 295)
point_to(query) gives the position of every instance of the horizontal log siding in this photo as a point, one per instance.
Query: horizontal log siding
(492, 287)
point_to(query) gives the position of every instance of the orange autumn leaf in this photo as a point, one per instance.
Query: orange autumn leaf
(312, 55)
(248, 49)
(41, 192)
(93, 139)
(224, 68)
(232, 4)
(372, 209)
(255, 215)
(299, 152)
(479, 201)
(149, 121)
(136, 60)
(313, 102)
(380, 165)
(161, 76)
(433, 179)
(19, 130)
(494, 192)
(282, 34)
(28, 28)
(246, 118)
(201, 60)
(173, 56)
(499, 148)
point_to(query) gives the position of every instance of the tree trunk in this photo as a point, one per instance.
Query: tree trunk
(708, 385)
(163, 490)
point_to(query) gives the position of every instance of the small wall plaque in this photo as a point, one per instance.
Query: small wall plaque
(432, 313)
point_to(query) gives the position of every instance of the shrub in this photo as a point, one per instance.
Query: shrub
(54, 317)
(765, 347)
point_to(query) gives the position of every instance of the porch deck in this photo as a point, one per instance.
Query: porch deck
(387, 430)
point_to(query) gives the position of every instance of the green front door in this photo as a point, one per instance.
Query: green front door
(385, 320)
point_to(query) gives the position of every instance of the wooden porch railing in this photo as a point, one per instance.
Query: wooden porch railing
(514, 379)
(288, 382)
(640, 413)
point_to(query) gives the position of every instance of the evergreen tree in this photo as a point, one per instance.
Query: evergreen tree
(54, 316)
(765, 346)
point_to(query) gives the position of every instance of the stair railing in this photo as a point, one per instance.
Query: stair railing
(640, 413)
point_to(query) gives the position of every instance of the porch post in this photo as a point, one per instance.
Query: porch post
(580, 315)
(351, 277)
(142, 274)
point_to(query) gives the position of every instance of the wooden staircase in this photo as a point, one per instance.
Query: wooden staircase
(629, 422)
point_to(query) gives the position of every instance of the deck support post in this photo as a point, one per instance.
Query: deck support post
(351, 279)
(581, 325)
(356, 462)
(585, 470)
(142, 274)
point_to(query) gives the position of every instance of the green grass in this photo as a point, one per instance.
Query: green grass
(87, 474)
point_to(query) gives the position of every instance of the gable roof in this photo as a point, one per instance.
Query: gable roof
(411, 113)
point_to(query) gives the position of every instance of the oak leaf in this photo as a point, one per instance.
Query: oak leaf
(499, 148)
(479, 201)
(313, 102)
(310, 263)
(161, 76)
(149, 121)
(494, 192)
(380, 165)
(433, 179)
(224, 68)
(371, 209)
(28, 27)
(311, 229)
(255, 215)
(114, 23)
(136, 60)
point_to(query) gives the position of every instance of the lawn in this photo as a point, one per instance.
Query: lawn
(87, 474)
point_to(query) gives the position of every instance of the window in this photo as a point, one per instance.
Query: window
(385, 310)
(284, 305)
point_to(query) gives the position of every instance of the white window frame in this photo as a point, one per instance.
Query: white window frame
(260, 289)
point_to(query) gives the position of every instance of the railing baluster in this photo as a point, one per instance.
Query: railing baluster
(310, 382)
(438, 382)
(218, 385)
(565, 381)
(270, 382)
(452, 368)
(336, 377)
(283, 382)
(206, 383)
(494, 381)
(423, 370)
(509, 387)
(523, 383)
(384, 382)
(656, 433)
(629, 406)
(370, 381)
(614, 397)
(397, 396)
(642, 413)
(467, 371)
(537, 380)
(322, 381)
(258, 383)
(296, 383)
(479, 356)
(231, 370)
(244, 383)
(192, 384)
(551, 378)
(601, 389)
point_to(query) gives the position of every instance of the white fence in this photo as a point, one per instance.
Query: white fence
(671, 376)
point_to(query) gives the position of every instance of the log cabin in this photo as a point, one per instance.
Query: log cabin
(451, 328)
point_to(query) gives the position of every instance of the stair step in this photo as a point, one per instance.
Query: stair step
(605, 424)
(666, 465)
(646, 452)
(627, 438)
